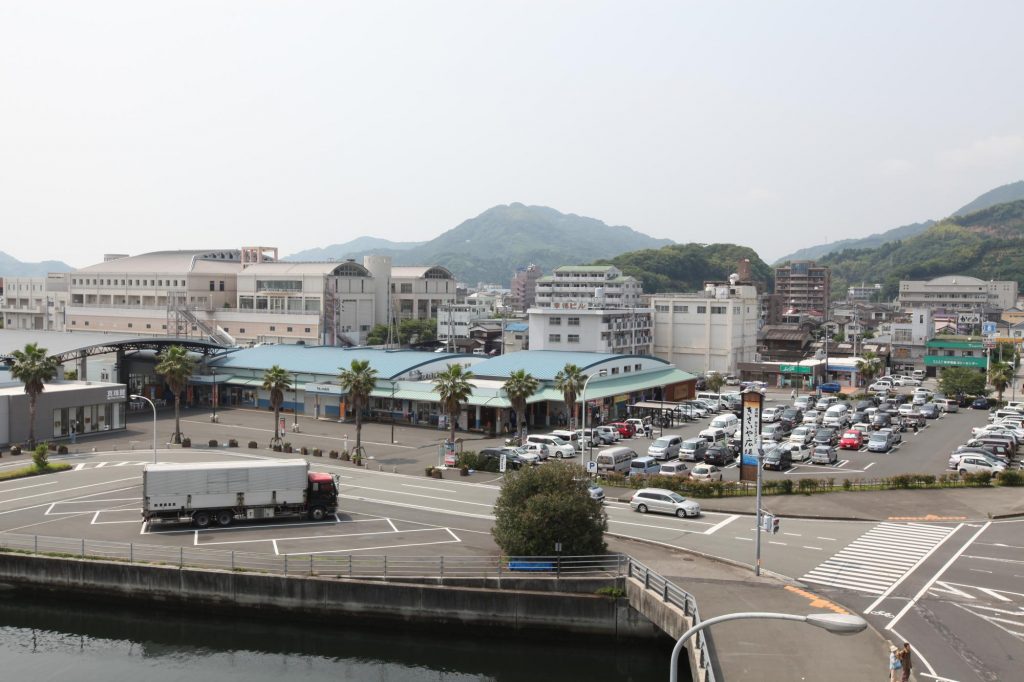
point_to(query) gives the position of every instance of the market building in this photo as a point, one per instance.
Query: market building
(62, 409)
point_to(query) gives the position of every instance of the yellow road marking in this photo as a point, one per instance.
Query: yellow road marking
(816, 601)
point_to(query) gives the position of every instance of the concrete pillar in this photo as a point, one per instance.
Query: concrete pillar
(82, 371)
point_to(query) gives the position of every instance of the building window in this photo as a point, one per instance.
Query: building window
(555, 321)
(718, 310)
(289, 328)
(406, 288)
(554, 338)
(273, 328)
(87, 323)
(573, 321)
(574, 338)
(212, 283)
(129, 325)
(241, 330)
(680, 309)
(625, 369)
(307, 330)
(661, 308)
(163, 326)
(148, 326)
(615, 370)
(637, 367)
(74, 323)
(701, 309)
(222, 285)
(735, 310)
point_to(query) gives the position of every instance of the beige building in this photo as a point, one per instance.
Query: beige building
(37, 303)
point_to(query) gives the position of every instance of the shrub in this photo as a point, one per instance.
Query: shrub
(787, 487)
(808, 486)
(232, 443)
(1011, 478)
(847, 484)
(40, 457)
(62, 450)
(900, 481)
(253, 444)
(430, 471)
(51, 446)
(345, 455)
(213, 443)
(277, 447)
(464, 471)
(489, 464)
(468, 459)
(317, 452)
(357, 459)
(186, 442)
(613, 592)
(304, 450)
(980, 478)
(333, 454)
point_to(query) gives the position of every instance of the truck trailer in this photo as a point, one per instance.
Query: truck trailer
(221, 492)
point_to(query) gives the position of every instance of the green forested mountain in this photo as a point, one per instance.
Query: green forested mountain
(685, 267)
(987, 244)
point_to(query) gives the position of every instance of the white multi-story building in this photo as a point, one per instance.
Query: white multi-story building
(715, 329)
(911, 332)
(35, 302)
(589, 285)
(957, 293)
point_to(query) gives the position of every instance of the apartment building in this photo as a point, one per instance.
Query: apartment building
(957, 293)
(714, 329)
(805, 286)
(588, 285)
(35, 302)
(524, 286)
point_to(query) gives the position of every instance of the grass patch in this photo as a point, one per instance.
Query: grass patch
(33, 471)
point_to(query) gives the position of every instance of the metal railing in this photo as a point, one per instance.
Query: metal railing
(375, 567)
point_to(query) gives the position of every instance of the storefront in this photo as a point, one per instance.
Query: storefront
(954, 352)
(62, 409)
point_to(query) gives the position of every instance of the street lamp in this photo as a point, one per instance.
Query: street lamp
(583, 399)
(213, 394)
(295, 404)
(151, 404)
(836, 623)
(392, 410)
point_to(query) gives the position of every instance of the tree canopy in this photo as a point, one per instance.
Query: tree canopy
(961, 381)
(33, 368)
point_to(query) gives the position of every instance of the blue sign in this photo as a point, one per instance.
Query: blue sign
(749, 460)
(988, 327)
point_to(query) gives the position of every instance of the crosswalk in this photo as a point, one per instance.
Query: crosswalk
(100, 465)
(872, 563)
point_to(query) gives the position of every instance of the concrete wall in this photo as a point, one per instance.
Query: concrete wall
(533, 612)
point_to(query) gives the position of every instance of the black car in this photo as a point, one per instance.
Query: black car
(512, 460)
(719, 455)
(778, 458)
(881, 420)
(826, 437)
(792, 416)
(863, 405)
(980, 404)
(858, 416)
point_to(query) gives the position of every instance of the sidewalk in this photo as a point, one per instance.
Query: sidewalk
(765, 650)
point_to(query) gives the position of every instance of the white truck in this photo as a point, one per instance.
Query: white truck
(203, 492)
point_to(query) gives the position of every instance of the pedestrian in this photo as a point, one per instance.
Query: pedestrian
(792, 394)
(906, 661)
(895, 665)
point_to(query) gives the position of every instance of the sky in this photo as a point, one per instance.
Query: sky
(133, 126)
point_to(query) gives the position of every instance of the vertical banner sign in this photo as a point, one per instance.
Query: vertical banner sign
(752, 401)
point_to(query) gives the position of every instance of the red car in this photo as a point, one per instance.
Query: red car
(851, 440)
(626, 430)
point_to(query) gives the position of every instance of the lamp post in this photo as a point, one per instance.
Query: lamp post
(213, 394)
(151, 404)
(583, 399)
(392, 410)
(836, 623)
(295, 404)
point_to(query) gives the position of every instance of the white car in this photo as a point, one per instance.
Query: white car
(980, 431)
(799, 452)
(907, 381)
(706, 472)
(771, 414)
(968, 463)
(880, 387)
(803, 434)
(540, 450)
(905, 409)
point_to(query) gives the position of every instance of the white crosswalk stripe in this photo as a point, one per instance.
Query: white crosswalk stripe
(874, 561)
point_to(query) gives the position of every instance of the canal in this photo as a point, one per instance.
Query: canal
(55, 639)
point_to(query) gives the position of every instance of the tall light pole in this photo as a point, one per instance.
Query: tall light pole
(151, 404)
(392, 410)
(295, 404)
(213, 394)
(583, 399)
(836, 623)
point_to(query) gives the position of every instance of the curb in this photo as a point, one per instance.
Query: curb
(796, 516)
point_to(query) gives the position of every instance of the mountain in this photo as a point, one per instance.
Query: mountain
(489, 247)
(12, 267)
(1000, 195)
(355, 248)
(685, 267)
(987, 244)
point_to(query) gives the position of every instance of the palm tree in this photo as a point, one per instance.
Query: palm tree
(869, 366)
(176, 366)
(1000, 374)
(519, 386)
(453, 386)
(33, 368)
(358, 381)
(276, 381)
(569, 382)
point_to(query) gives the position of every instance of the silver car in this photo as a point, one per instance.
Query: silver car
(665, 447)
(663, 501)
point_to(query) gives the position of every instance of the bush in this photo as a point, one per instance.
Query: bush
(787, 487)
(847, 484)
(345, 455)
(317, 452)
(464, 471)
(981, 478)
(186, 442)
(213, 443)
(40, 457)
(232, 443)
(1011, 478)
(62, 450)
(489, 464)
(253, 444)
(430, 471)
(613, 592)
(808, 486)
(51, 446)
(333, 454)
(468, 459)
(357, 459)
(304, 450)
(277, 448)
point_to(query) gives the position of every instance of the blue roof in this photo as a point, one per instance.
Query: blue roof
(327, 360)
(545, 364)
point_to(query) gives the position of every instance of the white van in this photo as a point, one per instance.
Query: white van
(665, 447)
(614, 459)
(715, 398)
(644, 466)
(570, 437)
(729, 423)
(837, 415)
(918, 374)
(556, 446)
(674, 468)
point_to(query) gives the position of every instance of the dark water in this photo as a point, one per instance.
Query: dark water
(88, 642)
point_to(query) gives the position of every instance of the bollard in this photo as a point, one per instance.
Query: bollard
(131, 553)
(83, 547)
(349, 565)
(286, 564)
(181, 557)
(311, 564)
(35, 544)
(232, 560)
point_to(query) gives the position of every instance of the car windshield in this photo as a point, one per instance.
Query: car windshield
(879, 437)
(557, 440)
(677, 498)
(662, 442)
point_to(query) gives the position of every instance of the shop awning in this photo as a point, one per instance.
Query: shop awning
(243, 381)
(604, 388)
(212, 378)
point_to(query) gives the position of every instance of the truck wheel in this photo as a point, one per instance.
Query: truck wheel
(224, 518)
(318, 513)
(201, 519)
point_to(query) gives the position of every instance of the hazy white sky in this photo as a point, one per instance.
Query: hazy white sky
(132, 126)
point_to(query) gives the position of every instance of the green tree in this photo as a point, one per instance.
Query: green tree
(276, 381)
(454, 387)
(358, 381)
(714, 382)
(1000, 374)
(569, 382)
(417, 331)
(519, 387)
(176, 366)
(869, 366)
(961, 381)
(540, 506)
(33, 368)
(378, 335)
(41, 457)
(70, 374)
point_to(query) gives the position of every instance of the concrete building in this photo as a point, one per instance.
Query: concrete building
(587, 285)
(715, 329)
(63, 408)
(957, 293)
(909, 335)
(38, 303)
(864, 293)
(524, 286)
(804, 285)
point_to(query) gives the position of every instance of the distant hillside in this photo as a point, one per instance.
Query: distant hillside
(685, 267)
(987, 244)
(12, 267)
(356, 248)
(492, 245)
(1000, 195)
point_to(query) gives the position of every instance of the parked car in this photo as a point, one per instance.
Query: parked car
(826, 437)
(777, 432)
(894, 434)
(665, 447)
(799, 452)
(954, 459)
(930, 411)
(778, 459)
(693, 449)
(542, 450)
(674, 468)
(719, 455)
(596, 491)
(830, 387)
(851, 440)
(880, 387)
(880, 441)
(972, 464)
(731, 380)
(792, 416)
(804, 402)
(824, 454)
(980, 403)
(556, 446)
(881, 420)
(643, 466)
(803, 434)
(907, 381)
(948, 405)
(905, 408)
(987, 451)
(706, 472)
(664, 502)
(626, 430)
(812, 417)
(919, 399)
(772, 414)
(607, 434)
(515, 458)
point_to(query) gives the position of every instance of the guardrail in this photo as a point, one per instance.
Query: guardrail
(373, 567)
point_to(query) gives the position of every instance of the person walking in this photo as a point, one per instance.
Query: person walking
(792, 394)
(895, 664)
(906, 661)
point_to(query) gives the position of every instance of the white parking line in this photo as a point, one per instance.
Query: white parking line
(429, 497)
(26, 487)
(65, 490)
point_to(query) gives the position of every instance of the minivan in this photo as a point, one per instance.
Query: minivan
(675, 468)
(665, 447)
(729, 423)
(570, 437)
(614, 459)
(692, 449)
(556, 446)
(836, 415)
(918, 374)
(643, 466)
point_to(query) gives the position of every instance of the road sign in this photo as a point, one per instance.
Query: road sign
(591, 467)
(504, 462)
(988, 328)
